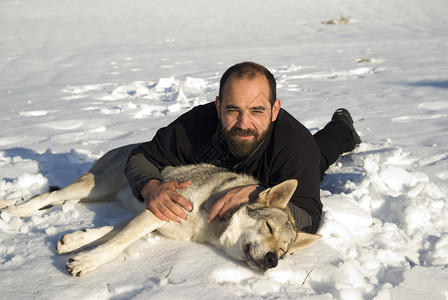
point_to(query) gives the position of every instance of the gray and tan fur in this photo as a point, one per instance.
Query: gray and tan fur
(259, 232)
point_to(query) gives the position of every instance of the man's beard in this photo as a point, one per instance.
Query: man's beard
(243, 148)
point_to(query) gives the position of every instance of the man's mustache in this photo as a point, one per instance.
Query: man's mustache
(236, 131)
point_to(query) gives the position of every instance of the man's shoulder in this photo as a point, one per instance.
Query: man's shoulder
(288, 124)
(203, 111)
(198, 117)
(198, 124)
(291, 133)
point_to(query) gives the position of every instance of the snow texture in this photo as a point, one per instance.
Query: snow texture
(82, 77)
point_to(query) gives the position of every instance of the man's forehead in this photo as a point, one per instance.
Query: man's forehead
(249, 100)
(252, 94)
(237, 79)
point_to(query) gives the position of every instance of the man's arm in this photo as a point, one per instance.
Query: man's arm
(295, 154)
(305, 204)
(171, 146)
(302, 218)
(228, 204)
(139, 171)
(143, 174)
(161, 198)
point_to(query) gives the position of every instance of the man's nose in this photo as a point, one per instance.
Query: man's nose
(243, 121)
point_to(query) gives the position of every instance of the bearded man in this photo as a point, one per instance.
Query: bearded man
(245, 130)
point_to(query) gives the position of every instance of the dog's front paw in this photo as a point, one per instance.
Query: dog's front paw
(82, 264)
(71, 242)
(63, 246)
(77, 240)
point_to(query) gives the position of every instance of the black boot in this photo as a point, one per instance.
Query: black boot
(341, 114)
(337, 137)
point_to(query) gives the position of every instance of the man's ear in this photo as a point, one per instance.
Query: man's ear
(279, 195)
(218, 106)
(303, 240)
(276, 109)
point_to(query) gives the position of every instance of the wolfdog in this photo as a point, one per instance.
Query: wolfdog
(259, 232)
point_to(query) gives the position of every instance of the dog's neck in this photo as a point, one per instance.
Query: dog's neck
(233, 229)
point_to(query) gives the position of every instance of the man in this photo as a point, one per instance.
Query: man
(245, 130)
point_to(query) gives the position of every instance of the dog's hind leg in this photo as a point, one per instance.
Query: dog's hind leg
(90, 260)
(24, 209)
(104, 179)
(10, 202)
(79, 189)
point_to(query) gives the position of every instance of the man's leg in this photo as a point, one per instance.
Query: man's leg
(337, 137)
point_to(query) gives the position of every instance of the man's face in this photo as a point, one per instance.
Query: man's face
(246, 113)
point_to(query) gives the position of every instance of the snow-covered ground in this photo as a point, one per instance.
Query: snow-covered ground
(79, 78)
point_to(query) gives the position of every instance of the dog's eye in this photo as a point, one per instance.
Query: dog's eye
(270, 228)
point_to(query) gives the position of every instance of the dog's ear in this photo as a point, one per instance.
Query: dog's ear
(303, 240)
(279, 195)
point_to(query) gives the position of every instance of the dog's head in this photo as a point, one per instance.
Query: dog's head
(262, 232)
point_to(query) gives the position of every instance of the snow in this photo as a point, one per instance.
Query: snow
(82, 77)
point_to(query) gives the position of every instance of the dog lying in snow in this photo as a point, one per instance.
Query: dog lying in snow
(259, 232)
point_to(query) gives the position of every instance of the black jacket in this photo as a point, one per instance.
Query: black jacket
(289, 151)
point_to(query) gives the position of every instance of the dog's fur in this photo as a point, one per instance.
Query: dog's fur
(259, 233)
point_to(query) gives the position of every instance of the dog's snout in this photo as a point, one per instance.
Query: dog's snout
(271, 260)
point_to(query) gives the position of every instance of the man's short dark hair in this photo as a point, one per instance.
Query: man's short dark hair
(249, 70)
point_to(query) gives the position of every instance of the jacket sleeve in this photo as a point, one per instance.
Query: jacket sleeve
(307, 194)
(173, 145)
(139, 171)
(302, 165)
(145, 163)
(295, 155)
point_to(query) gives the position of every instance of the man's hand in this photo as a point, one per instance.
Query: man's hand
(162, 199)
(231, 201)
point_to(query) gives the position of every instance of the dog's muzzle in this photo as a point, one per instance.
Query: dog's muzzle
(269, 261)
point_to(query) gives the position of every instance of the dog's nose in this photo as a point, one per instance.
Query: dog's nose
(271, 260)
